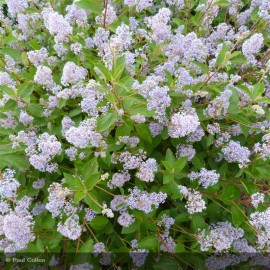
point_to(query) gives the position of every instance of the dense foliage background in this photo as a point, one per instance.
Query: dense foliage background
(134, 133)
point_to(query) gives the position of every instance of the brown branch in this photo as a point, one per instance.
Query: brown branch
(105, 12)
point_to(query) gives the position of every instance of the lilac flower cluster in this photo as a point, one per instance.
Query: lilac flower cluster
(206, 177)
(234, 152)
(219, 106)
(16, 7)
(8, 185)
(119, 179)
(185, 151)
(264, 148)
(130, 141)
(257, 198)
(44, 77)
(143, 201)
(138, 255)
(82, 266)
(91, 98)
(183, 123)
(140, 4)
(221, 236)
(38, 57)
(70, 228)
(158, 100)
(73, 74)
(56, 24)
(167, 242)
(76, 15)
(83, 135)
(57, 198)
(195, 202)
(41, 153)
(260, 221)
(16, 226)
(161, 32)
(147, 170)
(252, 46)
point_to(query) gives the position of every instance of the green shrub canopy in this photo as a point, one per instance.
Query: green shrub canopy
(133, 132)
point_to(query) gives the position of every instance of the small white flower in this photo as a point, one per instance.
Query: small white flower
(258, 109)
(107, 211)
(104, 176)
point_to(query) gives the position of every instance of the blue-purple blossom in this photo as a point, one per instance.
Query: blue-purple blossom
(234, 152)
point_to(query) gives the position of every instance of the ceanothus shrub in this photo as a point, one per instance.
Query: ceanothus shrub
(134, 131)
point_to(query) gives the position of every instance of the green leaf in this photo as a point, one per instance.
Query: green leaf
(149, 243)
(143, 132)
(167, 165)
(123, 130)
(197, 222)
(79, 184)
(90, 168)
(29, 76)
(87, 247)
(134, 227)
(166, 263)
(70, 180)
(202, 67)
(92, 181)
(7, 90)
(119, 67)
(15, 160)
(10, 105)
(254, 14)
(139, 109)
(39, 245)
(10, 38)
(167, 177)
(238, 216)
(169, 77)
(79, 196)
(6, 148)
(35, 110)
(170, 157)
(104, 122)
(94, 6)
(230, 192)
(92, 201)
(264, 171)
(25, 59)
(105, 71)
(257, 90)
(198, 161)
(47, 221)
(34, 44)
(183, 217)
(25, 89)
(99, 222)
(221, 3)
(240, 118)
(180, 247)
(221, 59)
(180, 163)
(249, 186)
(237, 58)
(11, 52)
(31, 248)
(264, 100)
(75, 112)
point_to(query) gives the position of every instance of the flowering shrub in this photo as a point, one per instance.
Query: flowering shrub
(133, 128)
